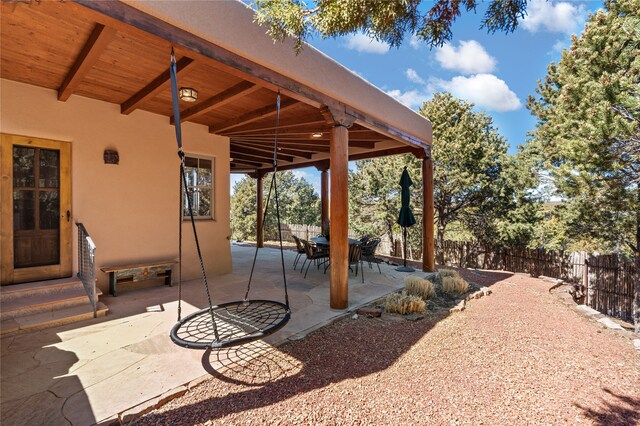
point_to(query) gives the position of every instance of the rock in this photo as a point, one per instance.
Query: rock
(369, 312)
(610, 324)
(587, 310)
(459, 307)
(414, 317)
(636, 344)
(476, 295)
(434, 277)
(485, 291)
(355, 316)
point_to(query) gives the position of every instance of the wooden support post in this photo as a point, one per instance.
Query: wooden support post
(428, 252)
(259, 211)
(324, 196)
(339, 211)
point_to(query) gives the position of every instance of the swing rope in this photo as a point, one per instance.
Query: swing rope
(183, 180)
(242, 321)
(273, 186)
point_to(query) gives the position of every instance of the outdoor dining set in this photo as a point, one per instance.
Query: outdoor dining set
(316, 251)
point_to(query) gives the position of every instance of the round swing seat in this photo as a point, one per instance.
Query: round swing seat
(236, 322)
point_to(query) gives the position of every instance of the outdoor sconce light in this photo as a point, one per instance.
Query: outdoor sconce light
(188, 94)
(111, 157)
(316, 135)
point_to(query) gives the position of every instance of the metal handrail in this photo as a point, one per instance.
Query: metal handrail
(86, 265)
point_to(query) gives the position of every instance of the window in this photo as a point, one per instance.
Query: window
(199, 174)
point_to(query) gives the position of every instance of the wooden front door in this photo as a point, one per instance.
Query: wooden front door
(36, 209)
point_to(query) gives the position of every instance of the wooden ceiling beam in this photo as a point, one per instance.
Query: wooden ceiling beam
(100, 37)
(315, 124)
(121, 13)
(223, 98)
(246, 163)
(265, 149)
(353, 134)
(235, 149)
(252, 116)
(407, 149)
(310, 142)
(157, 85)
(297, 147)
(251, 158)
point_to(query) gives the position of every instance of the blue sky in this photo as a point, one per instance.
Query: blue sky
(495, 71)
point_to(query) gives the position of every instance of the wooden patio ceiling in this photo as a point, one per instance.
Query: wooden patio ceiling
(79, 51)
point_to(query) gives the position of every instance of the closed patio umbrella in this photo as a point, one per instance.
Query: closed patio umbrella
(405, 218)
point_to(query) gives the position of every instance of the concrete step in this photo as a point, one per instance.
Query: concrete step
(33, 302)
(16, 291)
(50, 319)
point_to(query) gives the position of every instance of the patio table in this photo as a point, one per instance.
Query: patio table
(322, 241)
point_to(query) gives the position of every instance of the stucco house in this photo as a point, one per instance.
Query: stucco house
(88, 135)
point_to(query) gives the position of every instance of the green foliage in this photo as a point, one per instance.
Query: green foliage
(384, 20)
(476, 184)
(588, 133)
(480, 192)
(298, 204)
(374, 198)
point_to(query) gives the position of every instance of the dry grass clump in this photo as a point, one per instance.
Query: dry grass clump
(420, 287)
(448, 273)
(403, 303)
(454, 285)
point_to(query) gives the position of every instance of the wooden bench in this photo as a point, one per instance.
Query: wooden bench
(138, 272)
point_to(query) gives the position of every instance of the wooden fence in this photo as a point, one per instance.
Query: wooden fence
(608, 280)
(611, 286)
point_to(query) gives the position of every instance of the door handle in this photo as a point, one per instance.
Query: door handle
(68, 215)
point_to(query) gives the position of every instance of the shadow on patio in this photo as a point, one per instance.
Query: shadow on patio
(120, 363)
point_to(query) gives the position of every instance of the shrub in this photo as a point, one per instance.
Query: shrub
(455, 285)
(448, 273)
(403, 303)
(417, 286)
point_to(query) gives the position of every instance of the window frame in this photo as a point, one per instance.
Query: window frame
(185, 212)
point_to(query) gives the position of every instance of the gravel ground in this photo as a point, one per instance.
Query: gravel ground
(517, 357)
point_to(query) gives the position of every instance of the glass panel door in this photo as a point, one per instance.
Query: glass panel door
(36, 206)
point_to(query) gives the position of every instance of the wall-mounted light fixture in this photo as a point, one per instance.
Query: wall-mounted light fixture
(316, 135)
(111, 156)
(188, 94)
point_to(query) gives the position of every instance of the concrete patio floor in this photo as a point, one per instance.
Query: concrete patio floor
(107, 369)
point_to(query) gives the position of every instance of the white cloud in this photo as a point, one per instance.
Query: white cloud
(415, 42)
(413, 98)
(559, 46)
(413, 76)
(560, 17)
(363, 43)
(485, 90)
(469, 58)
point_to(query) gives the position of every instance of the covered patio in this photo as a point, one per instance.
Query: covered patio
(118, 53)
(106, 369)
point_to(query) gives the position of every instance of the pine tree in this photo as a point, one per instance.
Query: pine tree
(384, 20)
(588, 133)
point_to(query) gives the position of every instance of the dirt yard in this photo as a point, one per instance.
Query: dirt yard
(517, 357)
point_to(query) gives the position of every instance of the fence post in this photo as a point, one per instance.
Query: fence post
(585, 281)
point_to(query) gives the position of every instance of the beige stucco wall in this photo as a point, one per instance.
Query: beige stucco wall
(130, 209)
(229, 24)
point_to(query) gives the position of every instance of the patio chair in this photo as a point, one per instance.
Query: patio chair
(299, 251)
(355, 258)
(364, 239)
(369, 252)
(313, 256)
